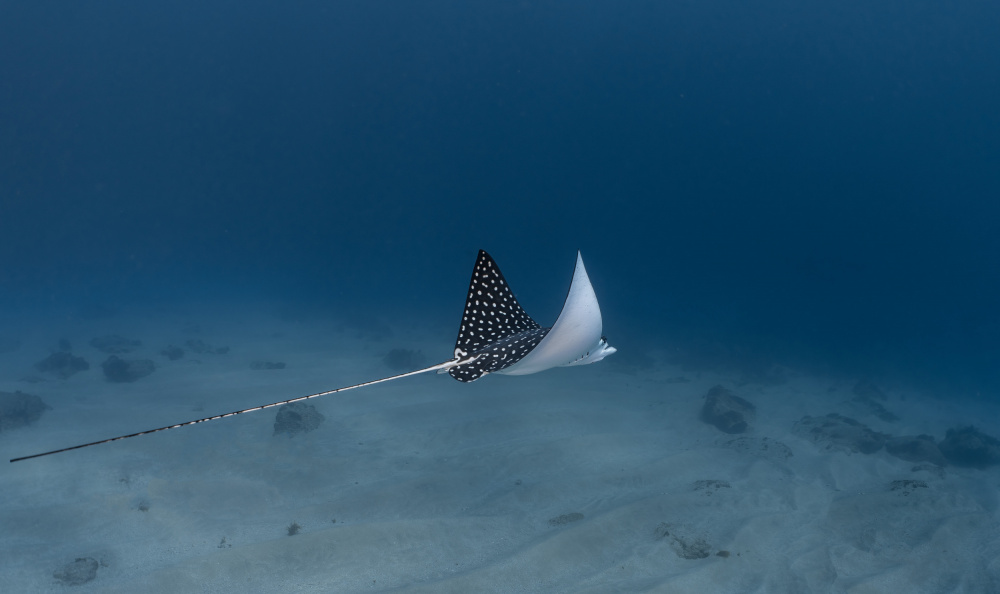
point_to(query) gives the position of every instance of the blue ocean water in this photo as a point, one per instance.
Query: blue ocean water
(814, 182)
(794, 200)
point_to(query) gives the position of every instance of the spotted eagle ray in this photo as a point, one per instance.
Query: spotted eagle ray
(496, 335)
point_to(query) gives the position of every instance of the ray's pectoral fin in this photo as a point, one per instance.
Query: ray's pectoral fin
(577, 336)
(494, 325)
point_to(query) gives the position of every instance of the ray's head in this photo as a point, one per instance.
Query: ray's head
(595, 354)
(604, 349)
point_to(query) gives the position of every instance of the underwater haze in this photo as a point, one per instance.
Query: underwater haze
(797, 201)
(782, 172)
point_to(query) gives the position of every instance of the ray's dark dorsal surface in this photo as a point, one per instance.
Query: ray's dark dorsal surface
(495, 335)
(494, 324)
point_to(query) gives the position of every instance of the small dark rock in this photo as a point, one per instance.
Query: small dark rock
(114, 344)
(565, 519)
(970, 447)
(906, 486)
(722, 554)
(711, 486)
(173, 352)
(18, 409)
(297, 417)
(915, 448)
(267, 365)
(839, 432)
(201, 347)
(687, 546)
(81, 571)
(294, 528)
(121, 370)
(62, 364)
(404, 359)
(726, 411)
(696, 548)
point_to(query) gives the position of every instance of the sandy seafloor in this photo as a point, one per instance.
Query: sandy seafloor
(430, 485)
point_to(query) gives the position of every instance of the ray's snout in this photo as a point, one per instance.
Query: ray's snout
(602, 350)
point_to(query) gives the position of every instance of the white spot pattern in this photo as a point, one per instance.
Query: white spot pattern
(493, 324)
